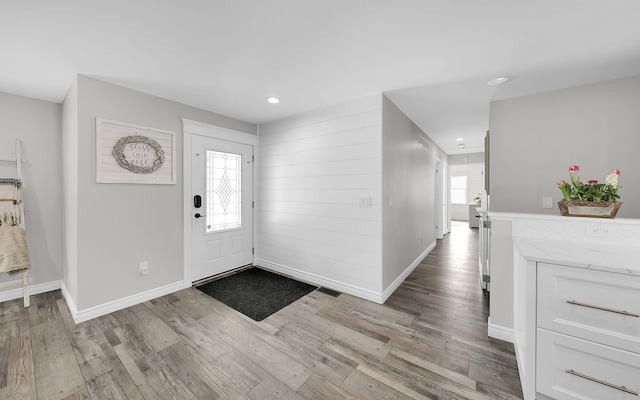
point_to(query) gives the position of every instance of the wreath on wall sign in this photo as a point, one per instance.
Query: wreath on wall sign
(118, 154)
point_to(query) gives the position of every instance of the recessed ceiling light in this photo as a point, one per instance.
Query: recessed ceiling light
(461, 145)
(459, 139)
(273, 100)
(498, 81)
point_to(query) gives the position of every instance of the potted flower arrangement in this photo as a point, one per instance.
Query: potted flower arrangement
(591, 199)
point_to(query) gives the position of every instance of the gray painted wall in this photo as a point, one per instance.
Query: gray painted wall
(534, 140)
(408, 179)
(469, 158)
(501, 299)
(120, 225)
(37, 123)
(70, 191)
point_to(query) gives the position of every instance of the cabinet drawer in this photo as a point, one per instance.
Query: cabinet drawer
(569, 368)
(599, 306)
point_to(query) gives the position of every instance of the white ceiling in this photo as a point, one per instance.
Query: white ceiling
(431, 57)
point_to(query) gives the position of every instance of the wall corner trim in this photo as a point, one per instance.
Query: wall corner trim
(500, 332)
(71, 305)
(398, 281)
(116, 305)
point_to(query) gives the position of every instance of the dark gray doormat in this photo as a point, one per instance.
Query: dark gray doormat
(255, 292)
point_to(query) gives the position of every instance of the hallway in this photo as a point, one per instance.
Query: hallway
(445, 295)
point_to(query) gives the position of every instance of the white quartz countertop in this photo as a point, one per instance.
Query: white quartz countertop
(602, 257)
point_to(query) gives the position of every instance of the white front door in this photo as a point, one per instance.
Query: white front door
(221, 205)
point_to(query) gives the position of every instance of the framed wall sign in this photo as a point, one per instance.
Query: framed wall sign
(128, 153)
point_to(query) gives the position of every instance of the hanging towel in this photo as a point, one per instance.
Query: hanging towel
(10, 205)
(14, 255)
(7, 193)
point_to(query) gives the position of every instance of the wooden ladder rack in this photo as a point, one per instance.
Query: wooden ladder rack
(18, 182)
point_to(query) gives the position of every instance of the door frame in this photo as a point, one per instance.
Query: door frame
(442, 211)
(190, 128)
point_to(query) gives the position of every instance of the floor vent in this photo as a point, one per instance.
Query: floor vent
(329, 292)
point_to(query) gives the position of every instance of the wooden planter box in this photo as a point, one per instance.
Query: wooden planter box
(587, 209)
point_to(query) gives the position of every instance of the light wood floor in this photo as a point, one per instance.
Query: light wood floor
(428, 341)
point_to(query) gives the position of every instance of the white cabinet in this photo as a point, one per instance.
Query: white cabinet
(598, 306)
(576, 300)
(582, 327)
(588, 334)
(569, 368)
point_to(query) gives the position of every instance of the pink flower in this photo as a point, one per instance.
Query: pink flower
(616, 172)
(561, 183)
(574, 168)
(593, 182)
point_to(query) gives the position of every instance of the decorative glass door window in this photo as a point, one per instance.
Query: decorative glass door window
(224, 191)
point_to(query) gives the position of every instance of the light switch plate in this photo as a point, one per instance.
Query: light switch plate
(365, 202)
(547, 202)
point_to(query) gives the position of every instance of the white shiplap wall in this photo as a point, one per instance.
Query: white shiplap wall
(314, 169)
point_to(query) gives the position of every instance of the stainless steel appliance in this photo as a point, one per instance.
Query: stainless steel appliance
(484, 234)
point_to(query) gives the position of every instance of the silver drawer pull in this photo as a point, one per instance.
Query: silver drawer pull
(627, 313)
(611, 385)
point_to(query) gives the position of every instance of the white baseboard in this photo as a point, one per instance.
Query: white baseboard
(398, 281)
(106, 308)
(500, 332)
(370, 295)
(13, 294)
(71, 305)
(321, 281)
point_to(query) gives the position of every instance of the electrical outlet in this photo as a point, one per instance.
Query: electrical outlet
(596, 230)
(144, 267)
(547, 202)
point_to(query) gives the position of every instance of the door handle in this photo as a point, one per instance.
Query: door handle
(198, 215)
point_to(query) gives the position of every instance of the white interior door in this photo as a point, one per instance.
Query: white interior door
(221, 205)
